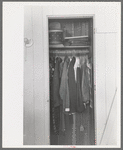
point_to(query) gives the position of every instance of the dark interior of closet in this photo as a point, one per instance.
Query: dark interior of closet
(69, 38)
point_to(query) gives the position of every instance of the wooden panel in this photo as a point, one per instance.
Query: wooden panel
(118, 17)
(28, 82)
(89, 9)
(110, 69)
(46, 11)
(112, 140)
(100, 85)
(110, 134)
(68, 10)
(106, 15)
(100, 24)
(74, 8)
(38, 76)
(111, 17)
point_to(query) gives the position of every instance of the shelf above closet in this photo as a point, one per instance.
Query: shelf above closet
(68, 47)
(75, 37)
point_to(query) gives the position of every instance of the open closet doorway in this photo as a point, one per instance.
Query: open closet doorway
(72, 112)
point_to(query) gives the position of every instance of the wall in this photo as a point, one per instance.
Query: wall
(36, 76)
(105, 24)
(34, 113)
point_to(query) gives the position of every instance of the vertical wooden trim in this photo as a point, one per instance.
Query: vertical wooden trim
(94, 81)
(47, 10)
(91, 32)
(28, 137)
(39, 82)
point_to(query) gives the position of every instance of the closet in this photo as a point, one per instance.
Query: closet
(72, 119)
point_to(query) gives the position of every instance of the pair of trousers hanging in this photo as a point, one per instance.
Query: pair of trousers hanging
(55, 96)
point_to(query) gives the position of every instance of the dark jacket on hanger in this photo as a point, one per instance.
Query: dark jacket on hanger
(56, 83)
(56, 97)
(72, 86)
(52, 119)
(64, 93)
(85, 84)
(80, 105)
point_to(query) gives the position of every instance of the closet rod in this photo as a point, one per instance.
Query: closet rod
(73, 52)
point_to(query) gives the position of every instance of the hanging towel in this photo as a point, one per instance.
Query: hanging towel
(72, 86)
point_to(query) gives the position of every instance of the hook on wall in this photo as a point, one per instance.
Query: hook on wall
(28, 42)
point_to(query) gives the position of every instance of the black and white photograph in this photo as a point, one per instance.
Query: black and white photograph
(61, 75)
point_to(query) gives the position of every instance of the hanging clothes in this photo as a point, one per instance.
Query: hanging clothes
(63, 91)
(72, 86)
(82, 116)
(53, 129)
(55, 96)
(79, 100)
(85, 83)
(70, 91)
(51, 67)
(89, 70)
(61, 69)
(77, 64)
(56, 82)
